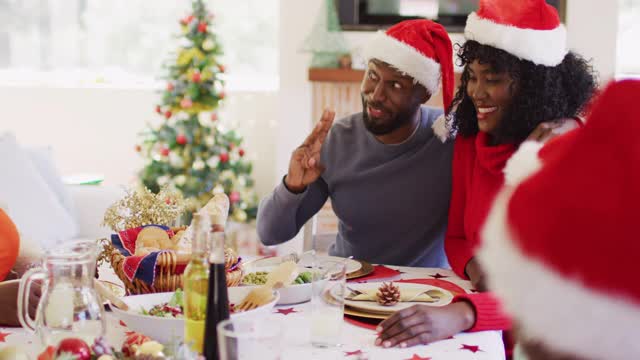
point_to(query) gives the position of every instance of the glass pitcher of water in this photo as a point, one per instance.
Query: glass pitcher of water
(69, 305)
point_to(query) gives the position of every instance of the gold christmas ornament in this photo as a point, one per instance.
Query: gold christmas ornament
(180, 180)
(239, 215)
(162, 180)
(198, 164)
(208, 45)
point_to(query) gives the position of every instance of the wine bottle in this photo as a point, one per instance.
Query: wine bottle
(196, 283)
(218, 299)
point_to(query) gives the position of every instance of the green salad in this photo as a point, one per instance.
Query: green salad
(260, 278)
(172, 309)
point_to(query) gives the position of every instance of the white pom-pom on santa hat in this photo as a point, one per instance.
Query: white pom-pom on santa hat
(560, 247)
(528, 29)
(441, 129)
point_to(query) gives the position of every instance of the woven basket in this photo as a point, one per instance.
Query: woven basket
(166, 279)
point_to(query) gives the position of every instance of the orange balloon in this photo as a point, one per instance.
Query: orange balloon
(9, 244)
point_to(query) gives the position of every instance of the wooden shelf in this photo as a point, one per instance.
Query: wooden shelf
(335, 75)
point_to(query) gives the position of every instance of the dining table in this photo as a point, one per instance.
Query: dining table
(357, 338)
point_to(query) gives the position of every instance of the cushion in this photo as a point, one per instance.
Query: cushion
(42, 158)
(30, 202)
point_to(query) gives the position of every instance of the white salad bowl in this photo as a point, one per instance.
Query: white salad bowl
(164, 329)
(290, 294)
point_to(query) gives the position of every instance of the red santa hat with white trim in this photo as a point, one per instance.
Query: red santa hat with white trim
(421, 49)
(528, 29)
(561, 242)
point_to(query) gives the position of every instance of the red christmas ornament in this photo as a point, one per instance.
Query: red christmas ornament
(202, 27)
(196, 77)
(224, 157)
(164, 152)
(214, 116)
(241, 152)
(181, 139)
(186, 103)
(170, 87)
(221, 67)
(167, 114)
(222, 95)
(158, 109)
(138, 148)
(76, 347)
(133, 339)
(186, 20)
(234, 197)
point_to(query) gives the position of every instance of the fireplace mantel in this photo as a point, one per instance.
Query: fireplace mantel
(335, 75)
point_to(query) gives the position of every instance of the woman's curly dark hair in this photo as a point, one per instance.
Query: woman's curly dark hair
(543, 93)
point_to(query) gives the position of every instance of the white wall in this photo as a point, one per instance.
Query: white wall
(95, 129)
(592, 30)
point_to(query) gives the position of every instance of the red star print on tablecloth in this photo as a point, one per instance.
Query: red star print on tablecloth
(418, 357)
(286, 311)
(473, 348)
(353, 353)
(438, 276)
(3, 336)
(122, 323)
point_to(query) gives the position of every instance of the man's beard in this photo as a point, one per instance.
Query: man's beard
(400, 119)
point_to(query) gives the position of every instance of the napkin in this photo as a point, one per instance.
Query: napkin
(406, 295)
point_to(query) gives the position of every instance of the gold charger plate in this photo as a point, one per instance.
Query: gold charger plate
(365, 270)
(354, 312)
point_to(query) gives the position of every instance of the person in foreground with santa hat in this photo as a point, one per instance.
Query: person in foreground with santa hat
(561, 241)
(519, 81)
(387, 174)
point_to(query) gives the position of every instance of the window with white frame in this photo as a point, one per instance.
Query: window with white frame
(628, 57)
(124, 43)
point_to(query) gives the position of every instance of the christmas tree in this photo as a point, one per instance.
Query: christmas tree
(190, 150)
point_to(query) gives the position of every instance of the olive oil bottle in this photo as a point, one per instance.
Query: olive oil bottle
(196, 283)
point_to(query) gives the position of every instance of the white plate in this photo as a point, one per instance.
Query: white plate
(165, 329)
(372, 306)
(306, 261)
(291, 294)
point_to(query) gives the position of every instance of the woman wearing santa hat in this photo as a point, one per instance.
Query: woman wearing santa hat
(561, 240)
(519, 81)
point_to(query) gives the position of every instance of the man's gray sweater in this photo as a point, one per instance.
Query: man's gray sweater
(392, 201)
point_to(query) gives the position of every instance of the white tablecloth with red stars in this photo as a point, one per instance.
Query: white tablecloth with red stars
(358, 341)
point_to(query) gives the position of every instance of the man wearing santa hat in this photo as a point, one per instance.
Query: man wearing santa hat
(561, 241)
(387, 175)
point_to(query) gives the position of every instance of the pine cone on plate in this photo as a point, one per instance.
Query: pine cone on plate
(388, 294)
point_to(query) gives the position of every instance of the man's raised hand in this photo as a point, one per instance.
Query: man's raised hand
(304, 166)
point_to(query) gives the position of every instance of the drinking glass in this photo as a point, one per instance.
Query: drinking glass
(247, 339)
(327, 302)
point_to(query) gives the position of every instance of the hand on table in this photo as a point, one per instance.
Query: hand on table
(9, 302)
(304, 166)
(423, 324)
